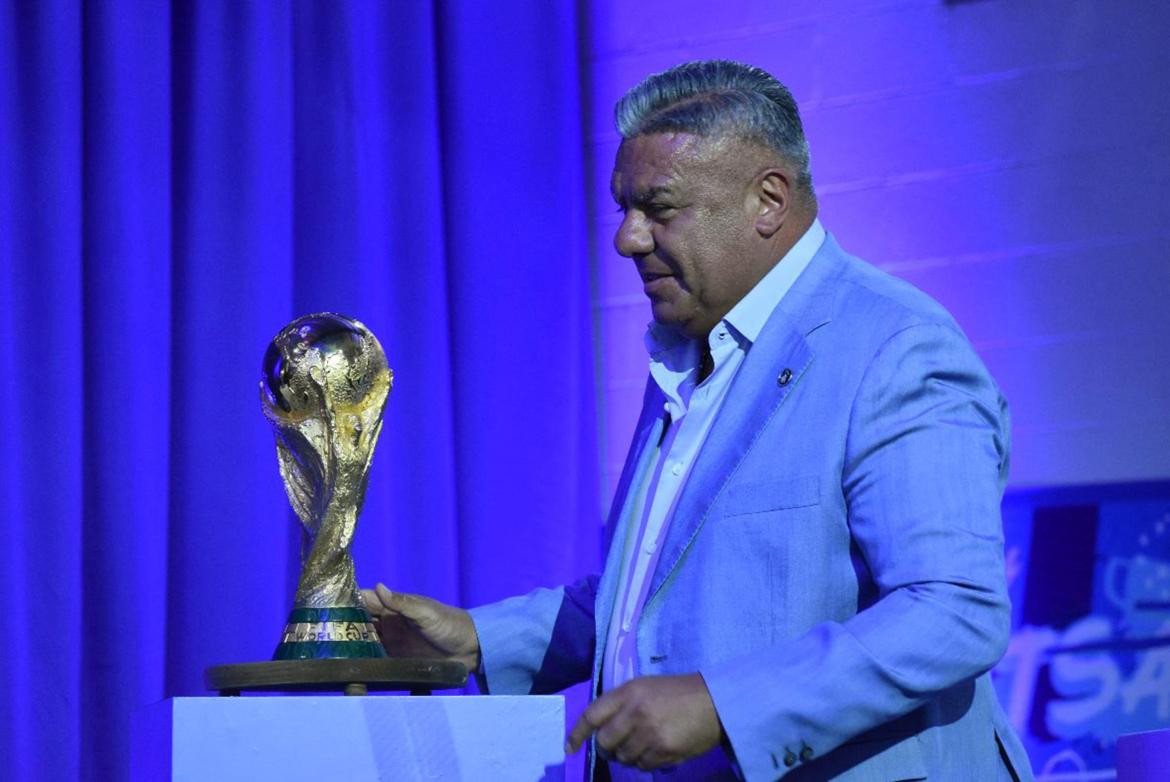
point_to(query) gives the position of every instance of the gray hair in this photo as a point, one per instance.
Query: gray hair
(714, 97)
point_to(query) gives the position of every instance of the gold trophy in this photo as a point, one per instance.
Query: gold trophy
(323, 387)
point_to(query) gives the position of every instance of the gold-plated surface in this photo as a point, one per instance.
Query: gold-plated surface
(324, 389)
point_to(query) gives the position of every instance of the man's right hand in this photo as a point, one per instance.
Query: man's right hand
(417, 626)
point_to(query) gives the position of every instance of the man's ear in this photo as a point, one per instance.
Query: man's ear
(774, 204)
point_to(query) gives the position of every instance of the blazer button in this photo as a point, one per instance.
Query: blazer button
(789, 759)
(806, 753)
(785, 376)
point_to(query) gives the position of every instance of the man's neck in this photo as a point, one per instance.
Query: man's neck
(787, 237)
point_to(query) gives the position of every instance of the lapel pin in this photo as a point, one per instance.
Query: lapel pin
(785, 376)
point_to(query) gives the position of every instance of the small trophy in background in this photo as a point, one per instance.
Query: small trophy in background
(324, 386)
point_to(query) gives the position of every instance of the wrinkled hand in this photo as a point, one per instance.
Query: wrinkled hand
(417, 626)
(651, 722)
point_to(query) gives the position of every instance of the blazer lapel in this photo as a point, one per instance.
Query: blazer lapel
(771, 371)
(648, 430)
(646, 433)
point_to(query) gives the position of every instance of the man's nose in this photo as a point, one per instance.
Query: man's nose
(633, 236)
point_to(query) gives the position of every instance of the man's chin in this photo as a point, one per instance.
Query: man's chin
(668, 317)
(664, 315)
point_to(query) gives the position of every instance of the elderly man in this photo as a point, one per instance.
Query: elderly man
(806, 572)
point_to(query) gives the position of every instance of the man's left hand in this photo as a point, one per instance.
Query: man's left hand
(651, 722)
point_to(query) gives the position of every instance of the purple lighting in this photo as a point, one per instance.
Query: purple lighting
(178, 180)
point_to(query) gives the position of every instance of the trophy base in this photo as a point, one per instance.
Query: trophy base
(353, 676)
(334, 632)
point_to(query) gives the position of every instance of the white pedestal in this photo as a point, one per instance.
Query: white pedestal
(290, 738)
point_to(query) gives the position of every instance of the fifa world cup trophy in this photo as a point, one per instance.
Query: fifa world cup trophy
(324, 388)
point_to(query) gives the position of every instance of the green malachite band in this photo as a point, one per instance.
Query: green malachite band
(316, 650)
(345, 614)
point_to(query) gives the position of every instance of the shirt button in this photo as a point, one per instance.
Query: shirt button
(626, 626)
(650, 547)
(676, 469)
(722, 335)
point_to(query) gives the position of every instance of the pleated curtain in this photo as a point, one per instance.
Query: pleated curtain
(178, 181)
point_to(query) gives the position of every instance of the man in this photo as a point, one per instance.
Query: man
(806, 575)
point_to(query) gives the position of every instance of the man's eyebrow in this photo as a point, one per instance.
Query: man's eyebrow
(644, 196)
(650, 193)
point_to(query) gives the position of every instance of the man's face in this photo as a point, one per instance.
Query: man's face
(688, 206)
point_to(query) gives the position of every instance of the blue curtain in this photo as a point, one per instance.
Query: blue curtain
(176, 183)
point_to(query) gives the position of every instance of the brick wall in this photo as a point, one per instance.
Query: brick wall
(1009, 157)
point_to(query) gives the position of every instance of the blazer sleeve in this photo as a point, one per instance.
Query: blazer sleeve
(924, 469)
(537, 643)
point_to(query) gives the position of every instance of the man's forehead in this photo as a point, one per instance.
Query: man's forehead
(656, 150)
(651, 162)
(658, 161)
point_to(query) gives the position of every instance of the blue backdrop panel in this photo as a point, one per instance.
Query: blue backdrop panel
(1090, 654)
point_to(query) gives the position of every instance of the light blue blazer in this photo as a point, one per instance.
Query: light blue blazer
(834, 566)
